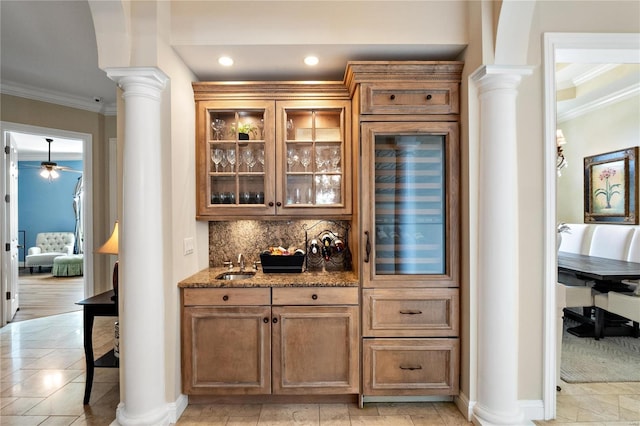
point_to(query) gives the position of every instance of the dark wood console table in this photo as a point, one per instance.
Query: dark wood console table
(100, 305)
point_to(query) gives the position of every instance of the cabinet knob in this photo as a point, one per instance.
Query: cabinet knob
(270, 203)
(225, 297)
(275, 320)
(265, 320)
(392, 97)
(279, 204)
(314, 296)
(429, 97)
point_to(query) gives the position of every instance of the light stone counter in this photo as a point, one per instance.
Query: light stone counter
(207, 278)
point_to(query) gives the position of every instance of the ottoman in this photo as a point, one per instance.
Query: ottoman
(67, 266)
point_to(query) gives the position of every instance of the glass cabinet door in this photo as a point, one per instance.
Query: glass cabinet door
(239, 158)
(313, 158)
(412, 175)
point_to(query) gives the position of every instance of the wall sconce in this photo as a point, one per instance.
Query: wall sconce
(111, 247)
(561, 162)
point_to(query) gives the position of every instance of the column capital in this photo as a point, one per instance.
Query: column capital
(489, 77)
(144, 81)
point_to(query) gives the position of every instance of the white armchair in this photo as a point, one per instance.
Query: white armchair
(49, 245)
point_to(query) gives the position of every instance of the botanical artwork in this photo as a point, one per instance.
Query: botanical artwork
(608, 188)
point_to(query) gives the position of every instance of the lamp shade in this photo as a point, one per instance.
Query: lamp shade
(111, 246)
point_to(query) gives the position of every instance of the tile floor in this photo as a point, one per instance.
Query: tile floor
(42, 383)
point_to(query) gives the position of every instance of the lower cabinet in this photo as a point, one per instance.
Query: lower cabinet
(261, 348)
(410, 342)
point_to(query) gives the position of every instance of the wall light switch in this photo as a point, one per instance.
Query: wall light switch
(188, 245)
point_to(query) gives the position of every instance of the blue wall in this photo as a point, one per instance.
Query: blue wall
(45, 206)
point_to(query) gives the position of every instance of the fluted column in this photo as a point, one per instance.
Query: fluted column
(142, 360)
(497, 402)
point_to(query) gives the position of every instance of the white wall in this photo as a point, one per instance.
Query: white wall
(612, 128)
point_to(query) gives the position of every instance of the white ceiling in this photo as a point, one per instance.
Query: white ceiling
(48, 48)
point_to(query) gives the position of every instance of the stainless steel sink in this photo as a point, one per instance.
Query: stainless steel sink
(231, 275)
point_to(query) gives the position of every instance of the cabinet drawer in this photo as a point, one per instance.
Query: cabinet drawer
(410, 98)
(226, 296)
(315, 296)
(410, 366)
(431, 312)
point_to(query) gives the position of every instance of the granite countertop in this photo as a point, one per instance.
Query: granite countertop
(207, 278)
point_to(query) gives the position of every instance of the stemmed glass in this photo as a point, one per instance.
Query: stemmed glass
(292, 158)
(260, 157)
(224, 162)
(319, 160)
(305, 158)
(217, 125)
(261, 128)
(217, 157)
(289, 128)
(249, 159)
(231, 157)
(335, 159)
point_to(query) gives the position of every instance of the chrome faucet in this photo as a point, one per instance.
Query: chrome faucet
(241, 262)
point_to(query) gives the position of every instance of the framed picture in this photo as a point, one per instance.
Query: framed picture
(611, 187)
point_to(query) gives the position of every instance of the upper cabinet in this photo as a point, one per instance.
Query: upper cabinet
(273, 150)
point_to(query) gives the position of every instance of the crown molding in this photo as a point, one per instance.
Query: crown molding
(37, 94)
(599, 102)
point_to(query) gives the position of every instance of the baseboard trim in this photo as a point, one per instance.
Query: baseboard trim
(533, 409)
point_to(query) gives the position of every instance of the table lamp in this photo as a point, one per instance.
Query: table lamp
(111, 247)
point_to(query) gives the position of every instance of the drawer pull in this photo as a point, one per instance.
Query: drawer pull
(411, 312)
(225, 297)
(411, 367)
(392, 97)
(428, 97)
(314, 296)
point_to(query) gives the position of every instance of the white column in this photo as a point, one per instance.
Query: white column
(497, 396)
(141, 289)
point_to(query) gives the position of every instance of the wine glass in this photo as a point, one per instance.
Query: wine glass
(224, 162)
(261, 128)
(217, 157)
(292, 158)
(319, 160)
(260, 157)
(289, 128)
(217, 125)
(305, 158)
(249, 159)
(231, 157)
(335, 159)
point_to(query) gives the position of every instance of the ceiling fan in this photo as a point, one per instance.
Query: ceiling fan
(50, 169)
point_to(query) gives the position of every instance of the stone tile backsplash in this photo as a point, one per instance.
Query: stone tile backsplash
(250, 237)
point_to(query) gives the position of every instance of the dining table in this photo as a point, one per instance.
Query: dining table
(607, 275)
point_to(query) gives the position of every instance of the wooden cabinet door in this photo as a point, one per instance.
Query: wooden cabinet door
(226, 350)
(235, 158)
(313, 152)
(315, 350)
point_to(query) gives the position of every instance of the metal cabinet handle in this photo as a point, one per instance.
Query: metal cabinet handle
(314, 296)
(225, 297)
(410, 312)
(392, 97)
(429, 97)
(265, 320)
(279, 204)
(275, 320)
(411, 367)
(367, 246)
(270, 203)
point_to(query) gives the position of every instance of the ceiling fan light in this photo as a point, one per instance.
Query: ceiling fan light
(54, 174)
(44, 173)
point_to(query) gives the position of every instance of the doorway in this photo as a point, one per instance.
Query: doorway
(11, 133)
(567, 48)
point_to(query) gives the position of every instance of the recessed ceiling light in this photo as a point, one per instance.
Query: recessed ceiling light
(311, 60)
(225, 61)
